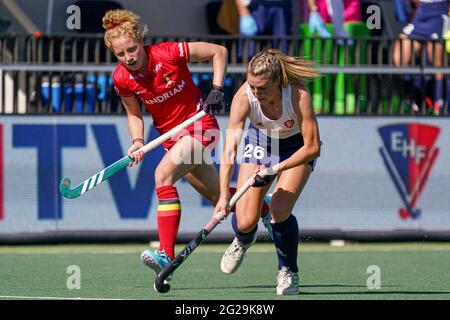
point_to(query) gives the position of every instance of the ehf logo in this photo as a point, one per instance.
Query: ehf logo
(409, 153)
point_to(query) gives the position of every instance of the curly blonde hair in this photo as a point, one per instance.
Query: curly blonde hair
(119, 23)
(275, 65)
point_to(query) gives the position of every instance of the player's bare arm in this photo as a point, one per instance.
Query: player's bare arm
(240, 109)
(301, 100)
(135, 126)
(218, 55)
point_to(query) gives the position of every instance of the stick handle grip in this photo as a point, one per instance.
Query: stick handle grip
(220, 216)
(247, 184)
(169, 134)
(241, 191)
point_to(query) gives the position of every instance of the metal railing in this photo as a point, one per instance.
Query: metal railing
(72, 74)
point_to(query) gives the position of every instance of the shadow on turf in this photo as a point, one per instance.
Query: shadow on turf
(302, 287)
(271, 286)
(375, 292)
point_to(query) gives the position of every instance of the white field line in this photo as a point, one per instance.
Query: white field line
(53, 298)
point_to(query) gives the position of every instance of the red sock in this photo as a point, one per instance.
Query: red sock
(169, 214)
(264, 209)
(232, 191)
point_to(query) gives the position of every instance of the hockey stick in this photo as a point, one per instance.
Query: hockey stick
(96, 179)
(159, 284)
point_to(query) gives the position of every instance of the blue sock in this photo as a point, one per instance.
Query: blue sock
(448, 94)
(245, 238)
(438, 89)
(286, 238)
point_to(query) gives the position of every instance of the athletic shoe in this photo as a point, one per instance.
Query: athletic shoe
(156, 261)
(266, 219)
(234, 255)
(287, 282)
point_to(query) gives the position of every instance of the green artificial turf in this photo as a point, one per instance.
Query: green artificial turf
(407, 271)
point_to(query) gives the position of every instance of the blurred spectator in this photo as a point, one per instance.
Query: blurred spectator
(426, 25)
(228, 17)
(337, 12)
(257, 17)
(316, 22)
(340, 93)
(264, 17)
(400, 11)
(247, 23)
(446, 32)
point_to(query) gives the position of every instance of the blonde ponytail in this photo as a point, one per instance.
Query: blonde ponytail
(279, 67)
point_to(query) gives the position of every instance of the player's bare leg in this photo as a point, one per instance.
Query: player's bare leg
(179, 161)
(205, 179)
(436, 54)
(404, 48)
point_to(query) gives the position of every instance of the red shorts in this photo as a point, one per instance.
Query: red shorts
(206, 130)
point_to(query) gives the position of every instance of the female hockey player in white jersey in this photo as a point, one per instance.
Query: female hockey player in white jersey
(283, 135)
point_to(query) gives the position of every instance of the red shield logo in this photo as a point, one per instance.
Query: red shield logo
(289, 123)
